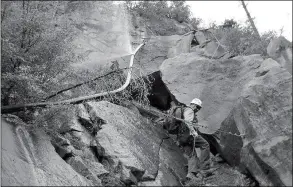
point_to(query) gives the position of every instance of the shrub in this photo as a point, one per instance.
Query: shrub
(37, 55)
(54, 117)
(160, 17)
(195, 22)
(180, 11)
(240, 40)
(35, 49)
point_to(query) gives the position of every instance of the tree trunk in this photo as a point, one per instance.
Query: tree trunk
(6, 94)
(250, 20)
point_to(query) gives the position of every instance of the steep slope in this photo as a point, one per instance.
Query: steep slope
(30, 159)
(247, 95)
(102, 144)
(280, 49)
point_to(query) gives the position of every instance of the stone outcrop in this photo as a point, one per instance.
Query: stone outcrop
(134, 148)
(102, 36)
(223, 175)
(214, 50)
(244, 95)
(264, 115)
(151, 55)
(280, 50)
(79, 166)
(30, 159)
(103, 144)
(208, 46)
(201, 37)
(159, 48)
(183, 45)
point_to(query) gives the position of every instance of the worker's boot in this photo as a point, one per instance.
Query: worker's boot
(193, 164)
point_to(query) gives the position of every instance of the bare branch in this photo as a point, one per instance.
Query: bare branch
(80, 84)
(251, 20)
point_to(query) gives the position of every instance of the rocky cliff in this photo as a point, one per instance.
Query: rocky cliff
(246, 117)
(31, 160)
(127, 149)
(124, 149)
(245, 95)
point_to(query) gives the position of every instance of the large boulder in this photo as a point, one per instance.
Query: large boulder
(30, 159)
(215, 82)
(202, 36)
(280, 50)
(78, 165)
(183, 45)
(244, 95)
(224, 175)
(264, 114)
(139, 151)
(208, 47)
(214, 50)
(157, 49)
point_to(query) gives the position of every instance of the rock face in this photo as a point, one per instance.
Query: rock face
(246, 95)
(207, 46)
(103, 35)
(125, 148)
(264, 114)
(102, 38)
(201, 36)
(78, 165)
(136, 149)
(223, 175)
(181, 46)
(30, 160)
(214, 50)
(159, 48)
(280, 50)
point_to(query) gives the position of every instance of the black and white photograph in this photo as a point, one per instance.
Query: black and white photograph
(146, 93)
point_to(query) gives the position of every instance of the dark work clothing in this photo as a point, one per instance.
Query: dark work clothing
(189, 143)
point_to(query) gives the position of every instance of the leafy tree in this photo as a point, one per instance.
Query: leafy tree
(241, 40)
(150, 9)
(36, 50)
(161, 17)
(230, 23)
(180, 11)
(195, 22)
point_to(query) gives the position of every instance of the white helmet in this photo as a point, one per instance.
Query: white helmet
(196, 101)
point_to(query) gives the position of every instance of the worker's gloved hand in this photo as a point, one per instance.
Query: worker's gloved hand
(193, 133)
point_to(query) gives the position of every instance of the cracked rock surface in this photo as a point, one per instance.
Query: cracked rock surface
(30, 160)
(246, 95)
(127, 149)
(133, 146)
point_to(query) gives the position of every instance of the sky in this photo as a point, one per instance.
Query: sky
(269, 15)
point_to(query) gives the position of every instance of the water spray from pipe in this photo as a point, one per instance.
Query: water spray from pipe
(16, 108)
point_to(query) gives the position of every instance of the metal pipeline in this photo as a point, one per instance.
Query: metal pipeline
(15, 108)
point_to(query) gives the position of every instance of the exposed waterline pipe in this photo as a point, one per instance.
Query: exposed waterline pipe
(16, 108)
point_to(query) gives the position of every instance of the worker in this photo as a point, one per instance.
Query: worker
(189, 138)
